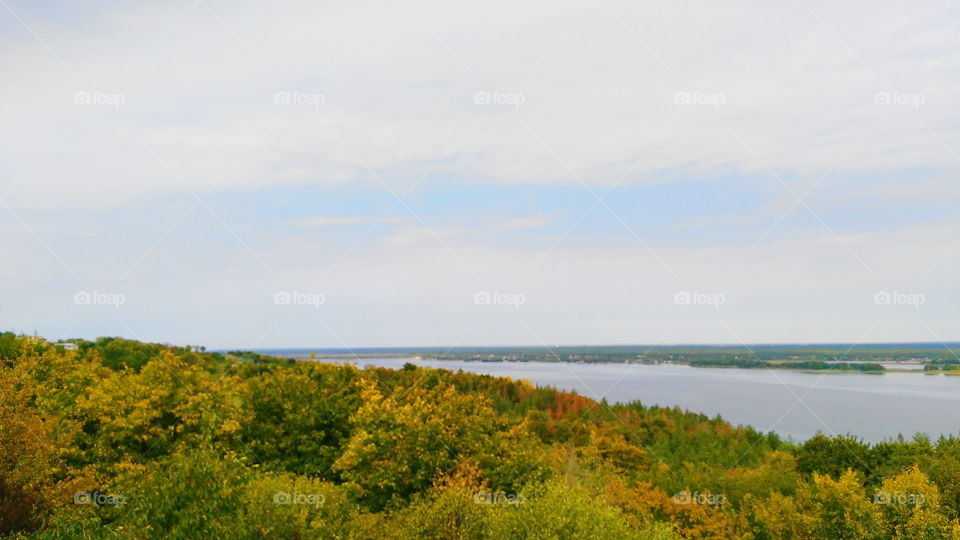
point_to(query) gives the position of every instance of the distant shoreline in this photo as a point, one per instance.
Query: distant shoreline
(850, 366)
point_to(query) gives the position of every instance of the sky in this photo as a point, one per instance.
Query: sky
(413, 173)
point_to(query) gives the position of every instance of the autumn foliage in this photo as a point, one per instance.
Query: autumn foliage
(120, 439)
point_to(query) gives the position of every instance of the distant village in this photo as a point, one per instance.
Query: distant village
(67, 345)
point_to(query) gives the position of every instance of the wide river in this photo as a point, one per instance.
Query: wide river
(794, 404)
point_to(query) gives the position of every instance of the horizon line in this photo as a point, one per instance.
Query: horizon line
(940, 344)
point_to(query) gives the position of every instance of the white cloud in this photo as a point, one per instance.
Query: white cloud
(599, 89)
(422, 234)
(524, 222)
(599, 84)
(345, 221)
(420, 293)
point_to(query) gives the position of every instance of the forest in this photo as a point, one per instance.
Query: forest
(120, 439)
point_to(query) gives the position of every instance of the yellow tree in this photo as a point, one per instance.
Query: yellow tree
(170, 403)
(840, 507)
(403, 441)
(33, 478)
(911, 507)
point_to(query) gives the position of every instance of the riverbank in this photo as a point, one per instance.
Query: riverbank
(796, 404)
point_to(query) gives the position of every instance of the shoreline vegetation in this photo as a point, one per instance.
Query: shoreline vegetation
(919, 358)
(120, 439)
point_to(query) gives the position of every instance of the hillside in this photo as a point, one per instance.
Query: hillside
(121, 439)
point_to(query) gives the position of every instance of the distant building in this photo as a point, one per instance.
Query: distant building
(67, 345)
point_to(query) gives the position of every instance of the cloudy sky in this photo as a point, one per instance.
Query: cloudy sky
(411, 173)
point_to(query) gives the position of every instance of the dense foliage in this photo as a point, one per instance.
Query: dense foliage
(119, 439)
